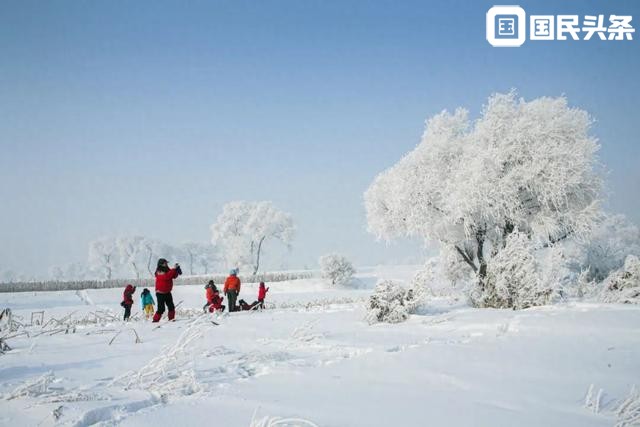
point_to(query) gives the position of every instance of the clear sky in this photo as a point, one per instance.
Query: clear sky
(147, 116)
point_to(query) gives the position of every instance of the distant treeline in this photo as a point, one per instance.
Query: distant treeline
(51, 285)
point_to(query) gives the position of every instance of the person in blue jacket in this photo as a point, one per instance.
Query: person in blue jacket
(147, 303)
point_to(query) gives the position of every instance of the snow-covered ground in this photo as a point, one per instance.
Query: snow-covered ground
(312, 357)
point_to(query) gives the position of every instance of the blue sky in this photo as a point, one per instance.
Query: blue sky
(146, 117)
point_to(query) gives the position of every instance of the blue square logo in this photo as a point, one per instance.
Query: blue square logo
(506, 26)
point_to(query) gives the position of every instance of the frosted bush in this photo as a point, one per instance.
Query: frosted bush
(336, 268)
(584, 287)
(612, 240)
(443, 276)
(392, 303)
(512, 279)
(628, 413)
(623, 285)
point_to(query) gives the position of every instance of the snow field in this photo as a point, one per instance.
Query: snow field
(313, 358)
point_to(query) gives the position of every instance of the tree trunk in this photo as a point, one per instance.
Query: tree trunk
(482, 271)
(149, 262)
(135, 269)
(107, 265)
(191, 263)
(255, 270)
(466, 259)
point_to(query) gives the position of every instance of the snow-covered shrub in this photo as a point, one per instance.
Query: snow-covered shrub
(628, 412)
(612, 240)
(454, 269)
(585, 287)
(434, 279)
(336, 268)
(393, 303)
(512, 279)
(623, 285)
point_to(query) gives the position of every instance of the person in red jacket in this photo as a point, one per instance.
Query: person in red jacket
(232, 289)
(127, 301)
(214, 300)
(262, 293)
(164, 285)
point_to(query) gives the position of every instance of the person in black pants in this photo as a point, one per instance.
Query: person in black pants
(127, 301)
(164, 286)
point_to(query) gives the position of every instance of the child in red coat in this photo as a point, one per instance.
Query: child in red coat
(262, 293)
(214, 300)
(127, 300)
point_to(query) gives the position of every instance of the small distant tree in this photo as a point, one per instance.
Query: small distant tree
(243, 228)
(336, 268)
(131, 251)
(8, 276)
(56, 273)
(103, 256)
(76, 271)
(198, 255)
(154, 249)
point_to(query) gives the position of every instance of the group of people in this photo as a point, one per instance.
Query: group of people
(164, 277)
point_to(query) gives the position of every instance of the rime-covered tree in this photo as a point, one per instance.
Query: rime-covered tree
(243, 228)
(468, 185)
(612, 240)
(336, 268)
(198, 256)
(103, 256)
(131, 251)
(76, 271)
(56, 273)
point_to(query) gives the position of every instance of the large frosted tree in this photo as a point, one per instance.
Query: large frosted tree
(243, 228)
(522, 166)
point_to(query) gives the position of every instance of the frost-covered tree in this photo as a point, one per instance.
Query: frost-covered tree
(612, 240)
(56, 273)
(103, 256)
(336, 268)
(76, 271)
(623, 285)
(8, 276)
(527, 166)
(132, 253)
(199, 256)
(243, 228)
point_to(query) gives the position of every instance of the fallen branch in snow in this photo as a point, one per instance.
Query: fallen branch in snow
(592, 401)
(628, 413)
(138, 340)
(170, 372)
(33, 388)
